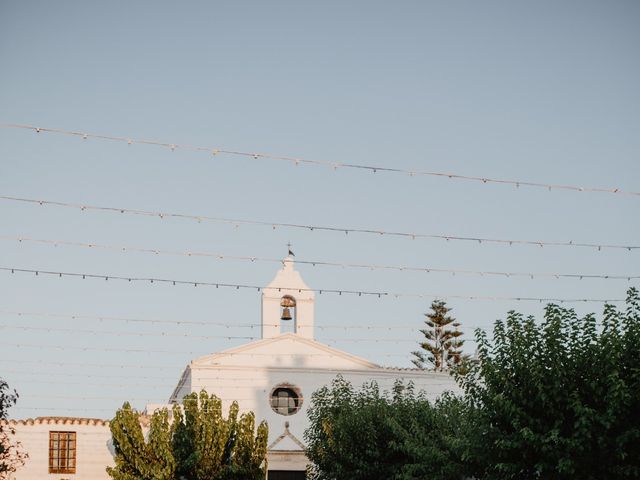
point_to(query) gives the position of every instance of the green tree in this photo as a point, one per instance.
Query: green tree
(139, 458)
(11, 454)
(366, 434)
(198, 443)
(557, 400)
(208, 446)
(442, 346)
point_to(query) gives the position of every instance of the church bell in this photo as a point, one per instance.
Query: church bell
(286, 314)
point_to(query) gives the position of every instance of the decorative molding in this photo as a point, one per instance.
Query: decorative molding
(145, 421)
(284, 435)
(60, 421)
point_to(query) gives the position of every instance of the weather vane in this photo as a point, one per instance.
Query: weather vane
(290, 251)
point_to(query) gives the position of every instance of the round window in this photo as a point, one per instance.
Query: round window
(286, 399)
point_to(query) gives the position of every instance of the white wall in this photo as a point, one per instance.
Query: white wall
(252, 388)
(93, 447)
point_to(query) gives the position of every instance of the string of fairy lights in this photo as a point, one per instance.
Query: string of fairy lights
(325, 228)
(227, 383)
(294, 160)
(59, 366)
(259, 288)
(219, 379)
(314, 263)
(77, 331)
(127, 367)
(54, 317)
(149, 351)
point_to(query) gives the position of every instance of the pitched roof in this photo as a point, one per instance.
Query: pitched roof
(287, 344)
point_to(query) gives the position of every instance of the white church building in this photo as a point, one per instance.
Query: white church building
(273, 377)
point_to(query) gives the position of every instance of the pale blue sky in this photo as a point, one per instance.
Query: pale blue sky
(539, 91)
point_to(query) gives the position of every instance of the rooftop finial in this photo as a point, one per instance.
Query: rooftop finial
(291, 254)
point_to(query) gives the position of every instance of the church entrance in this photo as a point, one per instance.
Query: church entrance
(286, 475)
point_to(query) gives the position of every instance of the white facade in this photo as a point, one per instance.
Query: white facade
(292, 360)
(273, 377)
(94, 449)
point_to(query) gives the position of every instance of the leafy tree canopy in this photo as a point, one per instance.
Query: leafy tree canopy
(198, 443)
(366, 434)
(558, 399)
(11, 454)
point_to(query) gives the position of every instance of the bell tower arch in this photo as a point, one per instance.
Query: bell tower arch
(287, 299)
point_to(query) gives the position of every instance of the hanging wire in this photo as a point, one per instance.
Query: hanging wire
(314, 263)
(253, 382)
(182, 352)
(311, 228)
(359, 293)
(59, 363)
(76, 331)
(153, 321)
(213, 151)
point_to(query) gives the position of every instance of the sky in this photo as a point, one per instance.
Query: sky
(531, 91)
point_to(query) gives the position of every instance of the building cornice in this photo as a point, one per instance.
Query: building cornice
(60, 421)
(383, 371)
(145, 421)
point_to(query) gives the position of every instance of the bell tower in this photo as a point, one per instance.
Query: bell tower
(287, 303)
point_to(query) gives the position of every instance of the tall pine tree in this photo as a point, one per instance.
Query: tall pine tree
(442, 345)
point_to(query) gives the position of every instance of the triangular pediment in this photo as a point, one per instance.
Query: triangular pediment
(287, 351)
(287, 442)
